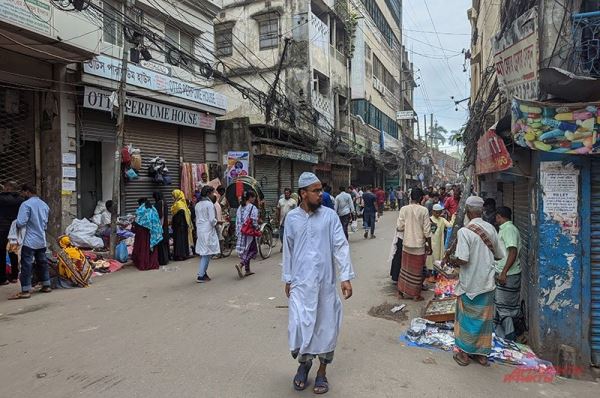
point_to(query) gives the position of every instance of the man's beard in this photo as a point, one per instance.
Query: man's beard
(313, 207)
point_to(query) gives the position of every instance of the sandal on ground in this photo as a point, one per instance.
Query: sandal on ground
(46, 289)
(248, 273)
(459, 358)
(4, 283)
(480, 359)
(20, 295)
(321, 385)
(239, 271)
(301, 378)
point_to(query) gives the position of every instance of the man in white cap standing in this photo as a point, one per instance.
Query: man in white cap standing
(477, 248)
(314, 244)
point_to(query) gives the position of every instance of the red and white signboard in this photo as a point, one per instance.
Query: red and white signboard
(492, 155)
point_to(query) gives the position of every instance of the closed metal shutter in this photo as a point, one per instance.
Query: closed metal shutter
(266, 172)
(325, 177)
(154, 139)
(98, 126)
(17, 139)
(595, 264)
(507, 195)
(298, 168)
(522, 220)
(192, 145)
(285, 175)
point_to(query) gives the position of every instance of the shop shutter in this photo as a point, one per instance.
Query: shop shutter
(192, 145)
(266, 173)
(522, 220)
(285, 175)
(507, 195)
(17, 140)
(298, 168)
(595, 264)
(97, 126)
(325, 177)
(154, 139)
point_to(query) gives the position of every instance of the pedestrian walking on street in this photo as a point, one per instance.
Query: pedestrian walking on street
(284, 206)
(344, 208)
(10, 200)
(477, 248)
(207, 243)
(508, 278)
(163, 215)
(314, 244)
(369, 212)
(182, 226)
(327, 198)
(247, 230)
(148, 235)
(217, 200)
(33, 216)
(415, 225)
(380, 194)
(392, 194)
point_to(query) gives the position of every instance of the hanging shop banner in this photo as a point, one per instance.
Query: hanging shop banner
(405, 115)
(389, 143)
(95, 98)
(238, 165)
(516, 57)
(110, 68)
(492, 155)
(281, 152)
(35, 15)
(552, 127)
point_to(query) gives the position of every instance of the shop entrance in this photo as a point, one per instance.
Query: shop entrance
(90, 155)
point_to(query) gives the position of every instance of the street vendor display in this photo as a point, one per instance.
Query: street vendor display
(555, 127)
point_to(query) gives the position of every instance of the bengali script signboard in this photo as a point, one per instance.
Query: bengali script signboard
(492, 155)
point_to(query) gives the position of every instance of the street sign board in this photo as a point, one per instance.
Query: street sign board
(405, 115)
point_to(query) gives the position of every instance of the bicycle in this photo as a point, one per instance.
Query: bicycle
(229, 236)
(266, 242)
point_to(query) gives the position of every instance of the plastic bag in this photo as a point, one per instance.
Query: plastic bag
(136, 161)
(354, 226)
(121, 254)
(82, 234)
(131, 174)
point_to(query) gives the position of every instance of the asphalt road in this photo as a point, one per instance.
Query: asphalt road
(160, 334)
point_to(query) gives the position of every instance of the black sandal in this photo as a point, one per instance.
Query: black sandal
(321, 385)
(302, 375)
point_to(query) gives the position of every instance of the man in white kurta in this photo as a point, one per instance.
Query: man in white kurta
(314, 244)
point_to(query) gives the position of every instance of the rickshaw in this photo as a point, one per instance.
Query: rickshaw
(233, 192)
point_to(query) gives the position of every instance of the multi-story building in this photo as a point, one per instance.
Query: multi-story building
(37, 127)
(172, 107)
(293, 58)
(382, 84)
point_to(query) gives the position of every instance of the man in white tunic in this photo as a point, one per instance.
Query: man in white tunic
(313, 245)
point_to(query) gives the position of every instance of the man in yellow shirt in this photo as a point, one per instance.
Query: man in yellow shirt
(508, 277)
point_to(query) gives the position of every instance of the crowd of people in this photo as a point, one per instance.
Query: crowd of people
(485, 252)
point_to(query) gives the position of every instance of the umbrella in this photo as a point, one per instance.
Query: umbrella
(232, 192)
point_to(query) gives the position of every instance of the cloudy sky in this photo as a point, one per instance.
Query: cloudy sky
(438, 57)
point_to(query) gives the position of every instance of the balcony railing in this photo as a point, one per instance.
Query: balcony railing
(586, 44)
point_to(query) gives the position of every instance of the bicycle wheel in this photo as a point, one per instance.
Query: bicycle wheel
(227, 247)
(265, 243)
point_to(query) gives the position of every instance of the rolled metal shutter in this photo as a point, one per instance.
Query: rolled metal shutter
(340, 176)
(154, 139)
(326, 177)
(595, 264)
(98, 126)
(522, 220)
(507, 195)
(192, 145)
(298, 168)
(285, 175)
(266, 172)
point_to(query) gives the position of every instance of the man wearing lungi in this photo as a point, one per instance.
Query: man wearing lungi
(477, 248)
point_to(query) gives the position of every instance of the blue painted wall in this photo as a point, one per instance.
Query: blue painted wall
(562, 288)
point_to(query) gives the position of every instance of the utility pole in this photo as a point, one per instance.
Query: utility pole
(425, 128)
(116, 192)
(431, 128)
(271, 97)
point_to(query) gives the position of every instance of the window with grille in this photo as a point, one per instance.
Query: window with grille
(182, 39)
(111, 23)
(223, 41)
(268, 33)
(381, 73)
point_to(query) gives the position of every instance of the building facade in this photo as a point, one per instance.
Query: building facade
(294, 58)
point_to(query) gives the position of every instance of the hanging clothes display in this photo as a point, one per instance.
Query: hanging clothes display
(191, 176)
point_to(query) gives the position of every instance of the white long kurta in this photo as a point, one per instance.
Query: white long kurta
(313, 245)
(207, 243)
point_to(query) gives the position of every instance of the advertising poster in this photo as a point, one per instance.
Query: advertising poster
(238, 164)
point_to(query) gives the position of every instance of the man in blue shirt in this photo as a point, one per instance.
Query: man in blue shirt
(326, 198)
(33, 216)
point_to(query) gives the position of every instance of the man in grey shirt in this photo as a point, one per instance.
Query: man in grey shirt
(33, 216)
(344, 206)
